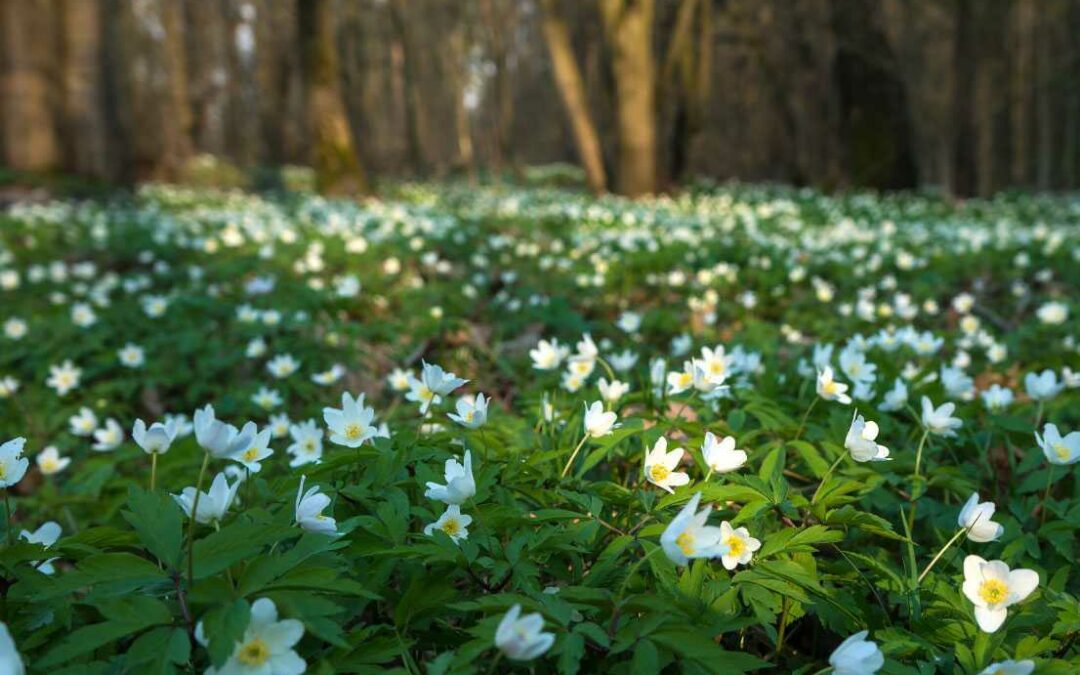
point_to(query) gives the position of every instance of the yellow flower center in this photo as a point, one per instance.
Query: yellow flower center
(685, 379)
(1061, 451)
(353, 430)
(451, 527)
(469, 416)
(309, 446)
(425, 394)
(685, 542)
(659, 472)
(3, 470)
(254, 653)
(736, 546)
(993, 591)
(716, 367)
(49, 465)
(829, 387)
(250, 454)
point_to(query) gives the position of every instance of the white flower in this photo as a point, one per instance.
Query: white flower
(46, 535)
(108, 437)
(157, 438)
(522, 638)
(861, 441)
(739, 544)
(132, 356)
(328, 377)
(213, 504)
(548, 355)
(350, 426)
(64, 378)
(8, 386)
(1010, 667)
(997, 398)
(84, 423)
(50, 462)
(434, 383)
(660, 466)
(939, 421)
(453, 522)
(895, 398)
(15, 329)
(721, 456)
(266, 398)
(612, 391)
(471, 413)
(460, 485)
(992, 588)
(1053, 313)
(256, 451)
(857, 656)
(829, 389)
(399, 379)
(307, 443)
(1043, 386)
(1057, 448)
(267, 645)
(218, 438)
(629, 322)
(687, 536)
(598, 422)
(976, 518)
(282, 366)
(10, 661)
(309, 510)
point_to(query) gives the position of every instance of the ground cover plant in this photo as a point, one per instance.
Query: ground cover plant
(462, 429)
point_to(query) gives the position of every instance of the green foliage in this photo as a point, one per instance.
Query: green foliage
(471, 280)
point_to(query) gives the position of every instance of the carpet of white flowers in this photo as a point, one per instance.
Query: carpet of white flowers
(489, 429)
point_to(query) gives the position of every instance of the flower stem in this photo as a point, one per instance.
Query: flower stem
(940, 553)
(191, 525)
(573, 455)
(806, 416)
(825, 478)
(918, 453)
(7, 513)
(1046, 494)
(153, 470)
(495, 662)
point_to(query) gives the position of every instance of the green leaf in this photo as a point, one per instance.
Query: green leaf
(224, 627)
(158, 522)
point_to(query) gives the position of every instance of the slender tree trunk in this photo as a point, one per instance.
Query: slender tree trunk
(333, 152)
(414, 99)
(964, 170)
(497, 23)
(1024, 13)
(31, 141)
(84, 123)
(628, 27)
(571, 89)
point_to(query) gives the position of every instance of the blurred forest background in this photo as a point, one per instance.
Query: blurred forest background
(965, 96)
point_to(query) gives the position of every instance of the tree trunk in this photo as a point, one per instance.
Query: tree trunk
(84, 123)
(31, 141)
(964, 170)
(571, 89)
(414, 99)
(628, 27)
(333, 152)
(497, 24)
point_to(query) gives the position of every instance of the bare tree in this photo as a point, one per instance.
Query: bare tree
(333, 152)
(572, 92)
(628, 26)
